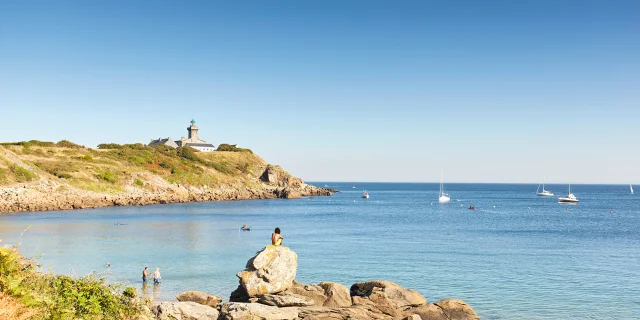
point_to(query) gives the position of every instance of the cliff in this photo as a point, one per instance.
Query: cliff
(40, 176)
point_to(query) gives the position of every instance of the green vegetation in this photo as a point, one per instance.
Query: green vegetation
(62, 297)
(21, 174)
(111, 167)
(107, 176)
(109, 146)
(138, 183)
(232, 148)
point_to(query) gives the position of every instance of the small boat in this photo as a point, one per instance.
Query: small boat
(443, 197)
(365, 194)
(472, 207)
(570, 198)
(354, 186)
(544, 193)
(631, 188)
(245, 228)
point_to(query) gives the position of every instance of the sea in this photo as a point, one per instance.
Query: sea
(518, 256)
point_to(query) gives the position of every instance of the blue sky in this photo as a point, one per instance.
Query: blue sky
(488, 91)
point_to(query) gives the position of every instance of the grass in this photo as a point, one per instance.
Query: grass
(114, 167)
(21, 174)
(26, 293)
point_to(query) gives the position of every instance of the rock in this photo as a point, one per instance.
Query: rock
(251, 311)
(270, 270)
(350, 313)
(185, 311)
(412, 317)
(325, 294)
(199, 297)
(447, 309)
(387, 291)
(285, 300)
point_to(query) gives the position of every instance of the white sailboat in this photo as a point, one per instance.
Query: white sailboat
(443, 197)
(570, 198)
(631, 188)
(544, 193)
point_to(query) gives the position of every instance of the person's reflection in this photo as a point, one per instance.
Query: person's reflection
(145, 289)
(156, 291)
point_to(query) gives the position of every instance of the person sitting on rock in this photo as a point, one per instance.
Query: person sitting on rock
(276, 238)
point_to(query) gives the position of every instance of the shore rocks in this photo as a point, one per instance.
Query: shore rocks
(199, 297)
(446, 309)
(270, 270)
(185, 311)
(325, 294)
(251, 311)
(387, 292)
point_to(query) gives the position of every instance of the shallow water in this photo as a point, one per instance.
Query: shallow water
(526, 258)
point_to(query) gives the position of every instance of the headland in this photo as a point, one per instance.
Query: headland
(42, 176)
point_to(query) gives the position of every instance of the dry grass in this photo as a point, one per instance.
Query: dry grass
(11, 308)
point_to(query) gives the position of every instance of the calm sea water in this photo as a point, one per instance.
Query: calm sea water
(518, 256)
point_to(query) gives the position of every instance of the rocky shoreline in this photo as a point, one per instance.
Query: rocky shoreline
(46, 195)
(268, 291)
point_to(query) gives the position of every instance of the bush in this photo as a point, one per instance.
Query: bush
(188, 153)
(87, 157)
(232, 148)
(22, 174)
(68, 144)
(138, 182)
(109, 146)
(64, 176)
(107, 176)
(64, 297)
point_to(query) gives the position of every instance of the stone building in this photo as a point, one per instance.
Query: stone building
(192, 141)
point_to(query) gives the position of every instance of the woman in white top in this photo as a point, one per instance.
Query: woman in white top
(156, 276)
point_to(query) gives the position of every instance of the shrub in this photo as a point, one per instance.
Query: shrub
(109, 146)
(64, 297)
(68, 144)
(107, 176)
(64, 176)
(22, 174)
(138, 182)
(232, 148)
(188, 153)
(87, 157)
(222, 167)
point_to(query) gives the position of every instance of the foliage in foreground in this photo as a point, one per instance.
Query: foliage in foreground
(63, 297)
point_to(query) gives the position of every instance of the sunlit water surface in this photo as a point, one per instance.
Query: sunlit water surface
(526, 258)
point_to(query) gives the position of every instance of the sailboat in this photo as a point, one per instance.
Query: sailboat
(631, 188)
(570, 198)
(443, 197)
(544, 193)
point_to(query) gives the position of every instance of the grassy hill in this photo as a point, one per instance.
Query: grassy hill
(66, 167)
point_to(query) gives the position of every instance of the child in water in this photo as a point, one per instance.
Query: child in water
(156, 276)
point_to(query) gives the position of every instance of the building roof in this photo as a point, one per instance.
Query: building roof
(190, 144)
(167, 141)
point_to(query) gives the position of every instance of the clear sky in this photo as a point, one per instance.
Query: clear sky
(488, 91)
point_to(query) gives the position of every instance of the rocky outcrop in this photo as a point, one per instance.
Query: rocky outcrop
(251, 311)
(325, 294)
(185, 311)
(447, 309)
(199, 297)
(376, 299)
(53, 195)
(270, 270)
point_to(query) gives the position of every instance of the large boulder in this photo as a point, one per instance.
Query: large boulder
(185, 311)
(446, 309)
(325, 294)
(387, 292)
(285, 300)
(270, 270)
(350, 313)
(257, 311)
(199, 297)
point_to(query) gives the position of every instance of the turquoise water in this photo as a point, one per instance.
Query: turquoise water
(527, 258)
